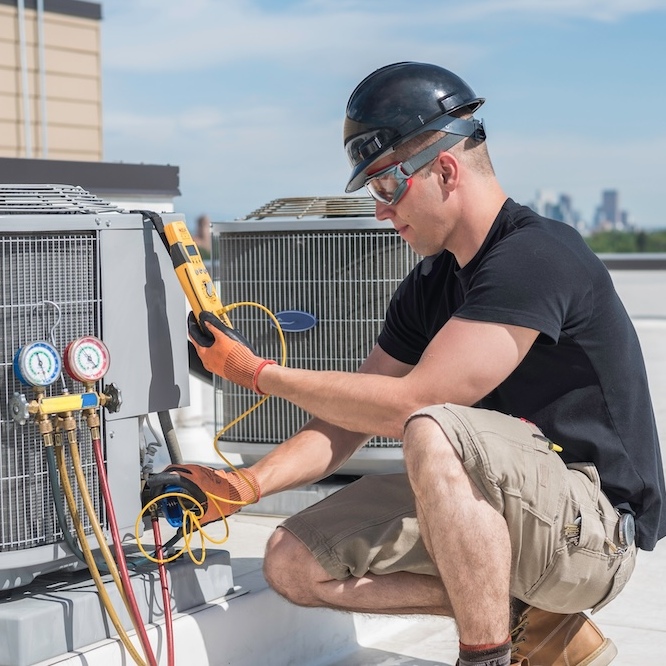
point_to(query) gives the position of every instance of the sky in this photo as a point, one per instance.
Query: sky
(247, 97)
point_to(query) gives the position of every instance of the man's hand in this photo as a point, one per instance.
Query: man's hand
(238, 488)
(224, 351)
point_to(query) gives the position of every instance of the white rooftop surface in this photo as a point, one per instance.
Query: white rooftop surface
(259, 628)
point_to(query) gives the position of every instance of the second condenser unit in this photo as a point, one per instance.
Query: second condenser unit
(327, 269)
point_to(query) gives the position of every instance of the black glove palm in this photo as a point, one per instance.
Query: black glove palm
(203, 337)
(199, 482)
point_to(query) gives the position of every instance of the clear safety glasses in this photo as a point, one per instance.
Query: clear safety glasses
(390, 184)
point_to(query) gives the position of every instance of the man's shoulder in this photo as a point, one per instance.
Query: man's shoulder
(521, 217)
(525, 228)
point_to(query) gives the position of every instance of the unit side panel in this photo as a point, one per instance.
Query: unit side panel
(143, 320)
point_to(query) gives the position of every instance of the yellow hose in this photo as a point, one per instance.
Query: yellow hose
(262, 400)
(94, 522)
(97, 529)
(90, 560)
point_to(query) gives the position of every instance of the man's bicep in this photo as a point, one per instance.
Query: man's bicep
(467, 359)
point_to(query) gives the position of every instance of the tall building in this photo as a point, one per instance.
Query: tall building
(50, 79)
(609, 216)
(610, 206)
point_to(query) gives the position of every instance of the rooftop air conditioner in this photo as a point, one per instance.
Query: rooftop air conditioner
(72, 265)
(327, 269)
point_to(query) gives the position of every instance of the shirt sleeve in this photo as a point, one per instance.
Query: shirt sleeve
(402, 335)
(527, 280)
(420, 307)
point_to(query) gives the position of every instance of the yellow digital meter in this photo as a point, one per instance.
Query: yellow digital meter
(192, 273)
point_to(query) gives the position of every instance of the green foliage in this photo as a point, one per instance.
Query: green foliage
(628, 241)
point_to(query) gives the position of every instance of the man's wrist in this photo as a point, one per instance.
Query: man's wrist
(244, 486)
(255, 379)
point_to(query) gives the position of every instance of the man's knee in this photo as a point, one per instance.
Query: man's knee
(424, 438)
(290, 568)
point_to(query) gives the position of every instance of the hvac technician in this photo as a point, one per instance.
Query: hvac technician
(504, 344)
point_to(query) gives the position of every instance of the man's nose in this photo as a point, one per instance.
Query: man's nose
(383, 211)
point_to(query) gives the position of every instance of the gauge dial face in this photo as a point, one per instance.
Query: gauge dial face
(87, 359)
(37, 364)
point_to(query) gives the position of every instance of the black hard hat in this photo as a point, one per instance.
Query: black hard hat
(398, 102)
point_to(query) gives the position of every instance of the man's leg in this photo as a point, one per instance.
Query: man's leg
(481, 583)
(543, 503)
(467, 538)
(293, 572)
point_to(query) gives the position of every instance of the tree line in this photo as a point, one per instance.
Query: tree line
(627, 241)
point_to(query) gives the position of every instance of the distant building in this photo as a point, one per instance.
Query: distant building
(202, 234)
(559, 208)
(50, 80)
(609, 216)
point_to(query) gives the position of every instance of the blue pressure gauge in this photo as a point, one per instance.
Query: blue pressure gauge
(37, 364)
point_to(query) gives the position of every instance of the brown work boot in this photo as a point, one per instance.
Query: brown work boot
(550, 639)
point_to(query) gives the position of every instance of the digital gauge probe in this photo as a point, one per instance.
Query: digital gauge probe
(37, 364)
(86, 359)
(192, 273)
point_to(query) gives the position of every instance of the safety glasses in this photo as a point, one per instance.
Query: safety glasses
(390, 184)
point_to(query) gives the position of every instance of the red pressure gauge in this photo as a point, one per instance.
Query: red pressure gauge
(87, 359)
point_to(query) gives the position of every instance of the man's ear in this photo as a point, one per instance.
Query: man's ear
(449, 169)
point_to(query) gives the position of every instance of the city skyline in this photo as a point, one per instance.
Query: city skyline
(608, 215)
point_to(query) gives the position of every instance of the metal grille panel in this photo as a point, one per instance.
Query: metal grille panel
(344, 278)
(50, 199)
(328, 207)
(49, 284)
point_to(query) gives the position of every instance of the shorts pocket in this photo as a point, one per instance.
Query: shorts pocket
(622, 575)
(571, 583)
(580, 572)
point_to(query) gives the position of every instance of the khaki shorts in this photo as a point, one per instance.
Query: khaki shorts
(566, 550)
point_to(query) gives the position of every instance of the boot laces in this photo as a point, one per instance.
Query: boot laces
(518, 633)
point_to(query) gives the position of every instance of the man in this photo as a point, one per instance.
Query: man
(511, 372)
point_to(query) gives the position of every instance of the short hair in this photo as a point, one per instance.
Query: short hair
(471, 151)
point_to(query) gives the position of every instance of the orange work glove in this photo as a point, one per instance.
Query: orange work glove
(198, 480)
(226, 353)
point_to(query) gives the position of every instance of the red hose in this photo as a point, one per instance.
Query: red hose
(168, 620)
(120, 553)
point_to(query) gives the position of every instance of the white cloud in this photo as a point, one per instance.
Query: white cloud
(233, 162)
(596, 10)
(211, 33)
(170, 35)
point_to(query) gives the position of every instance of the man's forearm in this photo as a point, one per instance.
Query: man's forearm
(359, 402)
(313, 453)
